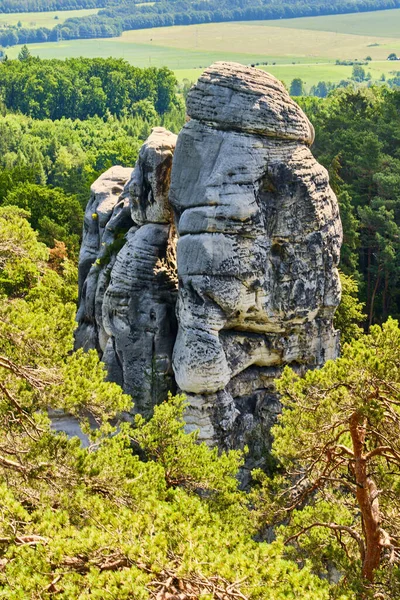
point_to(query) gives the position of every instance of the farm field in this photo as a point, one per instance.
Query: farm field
(263, 37)
(305, 48)
(43, 19)
(142, 55)
(311, 73)
(383, 23)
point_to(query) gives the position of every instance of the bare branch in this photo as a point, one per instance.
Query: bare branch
(381, 451)
(344, 450)
(334, 527)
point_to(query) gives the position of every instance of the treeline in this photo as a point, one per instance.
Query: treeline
(357, 133)
(321, 89)
(78, 88)
(113, 20)
(13, 6)
(47, 166)
(359, 78)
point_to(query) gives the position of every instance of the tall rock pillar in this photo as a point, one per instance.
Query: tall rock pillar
(259, 240)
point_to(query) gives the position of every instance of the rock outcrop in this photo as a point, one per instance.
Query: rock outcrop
(106, 215)
(259, 240)
(259, 236)
(127, 299)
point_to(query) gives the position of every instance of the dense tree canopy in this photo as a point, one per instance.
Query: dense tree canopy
(70, 154)
(79, 88)
(338, 481)
(10, 6)
(86, 522)
(357, 133)
(52, 213)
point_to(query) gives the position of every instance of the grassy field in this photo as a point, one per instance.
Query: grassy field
(383, 23)
(266, 39)
(142, 55)
(43, 19)
(306, 48)
(311, 74)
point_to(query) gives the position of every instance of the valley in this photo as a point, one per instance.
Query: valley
(305, 47)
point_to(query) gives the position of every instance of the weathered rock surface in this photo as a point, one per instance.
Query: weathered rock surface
(230, 96)
(127, 304)
(259, 236)
(259, 240)
(106, 213)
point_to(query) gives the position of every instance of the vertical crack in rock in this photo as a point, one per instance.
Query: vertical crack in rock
(127, 298)
(259, 236)
(259, 241)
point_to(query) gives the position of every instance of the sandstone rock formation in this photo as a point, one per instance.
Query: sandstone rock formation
(102, 209)
(259, 240)
(259, 236)
(127, 305)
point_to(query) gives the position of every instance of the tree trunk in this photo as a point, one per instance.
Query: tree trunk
(371, 308)
(369, 279)
(367, 497)
(385, 303)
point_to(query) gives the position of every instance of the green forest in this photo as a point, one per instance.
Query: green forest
(116, 17)
(357, 141)
(144, 510)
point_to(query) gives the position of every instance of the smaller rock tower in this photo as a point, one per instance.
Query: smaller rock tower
(127, 298)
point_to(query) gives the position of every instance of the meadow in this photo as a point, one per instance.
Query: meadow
(306, 48)
(383, 23)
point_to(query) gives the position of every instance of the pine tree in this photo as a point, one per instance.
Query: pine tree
(297, 87)
(338, 448)
(24, 54)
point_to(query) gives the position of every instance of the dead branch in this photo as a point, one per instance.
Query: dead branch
(334, 527)
(25, 540)
(170, 586)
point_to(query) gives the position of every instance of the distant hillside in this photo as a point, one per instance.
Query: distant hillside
(13, 6)
(16, 6)
(116, 17)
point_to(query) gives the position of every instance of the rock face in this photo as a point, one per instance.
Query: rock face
(106, 214)
(127, 301)
(259, 236)
(259, 240)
